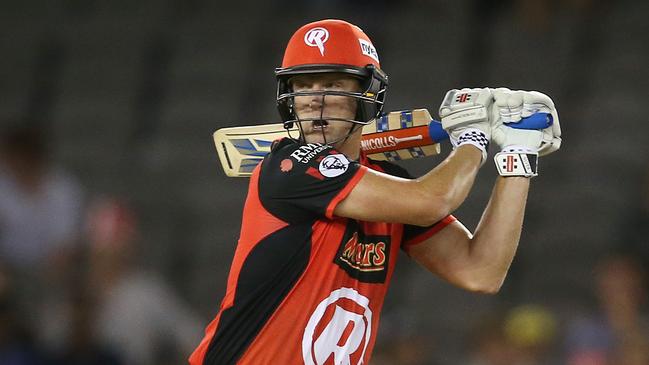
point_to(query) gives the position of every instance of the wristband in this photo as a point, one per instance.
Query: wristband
(517, 162)
(476, 138)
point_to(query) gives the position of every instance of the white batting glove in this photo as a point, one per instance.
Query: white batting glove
(465, 117)
(520, 148)
(509, 107)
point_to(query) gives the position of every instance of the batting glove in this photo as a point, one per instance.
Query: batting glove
(520, 148)
(465, 117)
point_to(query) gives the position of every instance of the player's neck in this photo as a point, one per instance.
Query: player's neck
(351, 147)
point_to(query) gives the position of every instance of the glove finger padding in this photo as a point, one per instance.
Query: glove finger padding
(536, 102)
(552, 142)
(508, 105)
(465, 117)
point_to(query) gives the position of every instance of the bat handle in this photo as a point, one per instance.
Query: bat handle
(534, 121)
(436, 132)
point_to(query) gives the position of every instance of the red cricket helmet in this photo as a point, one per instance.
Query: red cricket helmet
(327, 46)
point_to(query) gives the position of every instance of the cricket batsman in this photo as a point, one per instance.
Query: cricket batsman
(323, 224)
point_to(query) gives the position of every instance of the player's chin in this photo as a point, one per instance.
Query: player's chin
(314, 136)
(317, 136)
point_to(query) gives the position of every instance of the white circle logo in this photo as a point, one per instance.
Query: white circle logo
(334, 165)
(316, 37)
(335, 339)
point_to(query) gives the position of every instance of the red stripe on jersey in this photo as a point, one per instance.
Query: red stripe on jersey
(345, 191)
(429, 233)
(315, 173)
(252, 231)
(197, 357)
(279, 341)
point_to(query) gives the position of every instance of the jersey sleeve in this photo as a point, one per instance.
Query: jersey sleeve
(302, 181)
(413, 235)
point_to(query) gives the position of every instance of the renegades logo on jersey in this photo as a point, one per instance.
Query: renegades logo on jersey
(363, 257)
(339, 329)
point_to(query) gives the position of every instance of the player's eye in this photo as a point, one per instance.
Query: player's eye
(297, 86)
(334, 85)
(300, 84)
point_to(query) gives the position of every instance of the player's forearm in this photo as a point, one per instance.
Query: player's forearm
(495, 241)
(450, 182)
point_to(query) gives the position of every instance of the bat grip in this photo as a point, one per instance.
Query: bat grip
(534, 121)
(436, 132)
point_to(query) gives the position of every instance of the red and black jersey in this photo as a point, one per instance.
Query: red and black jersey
(305, 286)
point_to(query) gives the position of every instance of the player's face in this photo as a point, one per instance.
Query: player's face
(316, 109)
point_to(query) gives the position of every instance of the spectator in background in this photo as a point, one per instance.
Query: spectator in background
(40, 205)
(81, 345)
(532, 331)
(405, 349)
(525, 335)
(40, 210)
(489, 344)
(618, 334)
(137, 313)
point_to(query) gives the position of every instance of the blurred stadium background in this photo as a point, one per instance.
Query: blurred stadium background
(129, 262)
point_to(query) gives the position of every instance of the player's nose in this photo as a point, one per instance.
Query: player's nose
(316, 101)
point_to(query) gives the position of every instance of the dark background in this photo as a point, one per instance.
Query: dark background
(127, 94)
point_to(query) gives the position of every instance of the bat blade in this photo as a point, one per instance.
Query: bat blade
(240, 149)
(398, 135)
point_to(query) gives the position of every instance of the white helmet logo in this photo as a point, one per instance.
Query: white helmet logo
(317, 37)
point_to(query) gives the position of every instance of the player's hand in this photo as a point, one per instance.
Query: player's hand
(520, 148)
(465, 117)
(509, 107)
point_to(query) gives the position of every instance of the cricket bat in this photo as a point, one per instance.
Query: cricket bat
(398, 135)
